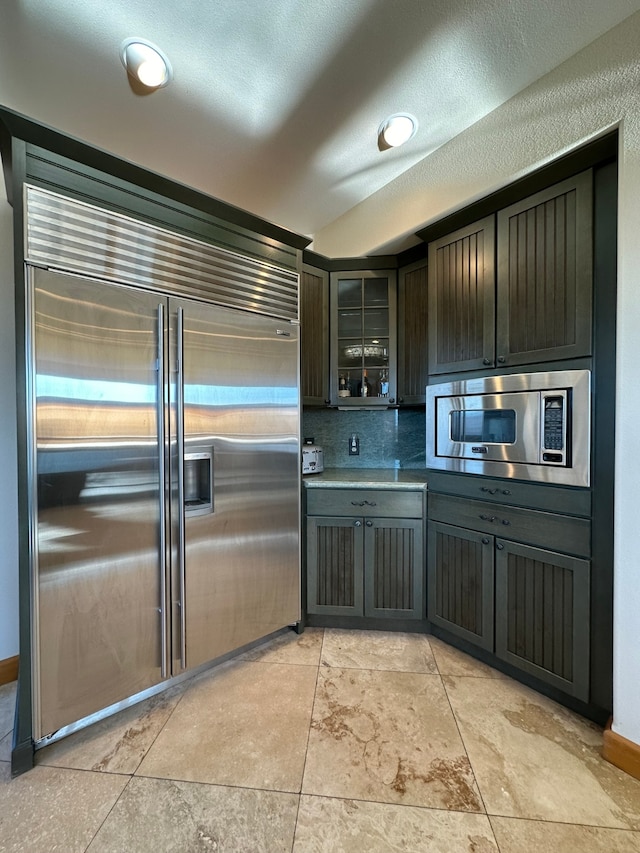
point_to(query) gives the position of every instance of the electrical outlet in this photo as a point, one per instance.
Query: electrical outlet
(354, 446)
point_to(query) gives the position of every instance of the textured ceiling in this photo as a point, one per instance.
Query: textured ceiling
(275, 104)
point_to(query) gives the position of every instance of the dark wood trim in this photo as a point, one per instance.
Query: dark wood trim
(592, 154)
(9, 670)
(620, 751)
(366, 623)
(34, 133)
(412, 255)
(370, 262)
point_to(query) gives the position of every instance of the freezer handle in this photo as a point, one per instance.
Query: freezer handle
(161, 478)
(181, 522)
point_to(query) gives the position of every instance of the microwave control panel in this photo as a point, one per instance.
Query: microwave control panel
(554, 428)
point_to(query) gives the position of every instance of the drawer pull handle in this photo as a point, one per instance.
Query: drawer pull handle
(487, 517)
(369, 523)
(490, 491)
(506, 521)
(358, 503)
(369, 503)
(357, 524)
(506, 491)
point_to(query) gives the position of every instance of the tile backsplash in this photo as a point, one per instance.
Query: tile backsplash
(391, 438)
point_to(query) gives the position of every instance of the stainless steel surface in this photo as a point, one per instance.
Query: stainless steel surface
(71, 235)
(178, 511)
(525, 393)
(241, 399)
(312, 459)
(98, 565)
(527, 433)
(161, 492)
(127, 384)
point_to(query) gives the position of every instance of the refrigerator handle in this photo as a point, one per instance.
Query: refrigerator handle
(181, 522)
(161, 477)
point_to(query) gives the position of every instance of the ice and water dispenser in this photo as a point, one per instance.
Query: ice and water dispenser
(198, 482)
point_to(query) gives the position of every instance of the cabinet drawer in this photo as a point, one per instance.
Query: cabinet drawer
(376, 503)
(545, 529)
(513, 492)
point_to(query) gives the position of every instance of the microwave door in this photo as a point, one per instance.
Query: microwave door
(496, 427)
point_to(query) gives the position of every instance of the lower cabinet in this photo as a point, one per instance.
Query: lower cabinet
(527, 604)
(362, 565)
(461, 582)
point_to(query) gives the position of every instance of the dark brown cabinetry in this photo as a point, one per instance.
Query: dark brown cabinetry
(363, 338)
(412, 334)
(314, 336)
(365, 553)
(462, 294)
(515, 288)
(374, 321)
(512, 580)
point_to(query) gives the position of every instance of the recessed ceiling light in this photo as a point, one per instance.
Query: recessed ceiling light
(396, 130)
(145, 62)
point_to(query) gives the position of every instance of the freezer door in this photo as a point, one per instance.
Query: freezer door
(96, 519)
(240, 573)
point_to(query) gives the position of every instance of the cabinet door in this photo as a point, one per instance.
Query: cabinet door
(413, 353)
(460, 571)
(545, 263)
(334, 566)
(462, 299)
(314, 336)
(542, 609)
(394, 568)
(363, 338)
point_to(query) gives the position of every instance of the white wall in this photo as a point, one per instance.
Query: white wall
(8, 472)
(595, 90)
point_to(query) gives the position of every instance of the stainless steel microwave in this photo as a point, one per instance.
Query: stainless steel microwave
(529, 426)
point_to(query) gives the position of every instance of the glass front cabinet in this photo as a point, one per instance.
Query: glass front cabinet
(363, 338)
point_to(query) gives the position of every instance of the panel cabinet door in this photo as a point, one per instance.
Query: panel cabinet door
(334, 566)
(462, 299)
(542, 615)
(394, 568)
(545, 269)
(413, 355)
(460, 570)
(314, 336)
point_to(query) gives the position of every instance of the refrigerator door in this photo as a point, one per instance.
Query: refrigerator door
(96, 471)
(239, 576)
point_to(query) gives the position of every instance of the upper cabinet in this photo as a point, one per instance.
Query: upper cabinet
(314, 336)
(515, 288)
(462, 298)
(363, 338)
(412, 333)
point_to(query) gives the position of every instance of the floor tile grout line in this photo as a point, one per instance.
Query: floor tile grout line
(546, 822)
(161, 729)
(306, 749)
(493, 832)
(466, 751)
(409, 806)
(455, 719)
(108, 815)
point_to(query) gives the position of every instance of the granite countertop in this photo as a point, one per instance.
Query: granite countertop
(367, 478)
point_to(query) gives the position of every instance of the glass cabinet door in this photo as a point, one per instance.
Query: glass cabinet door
(363, 338)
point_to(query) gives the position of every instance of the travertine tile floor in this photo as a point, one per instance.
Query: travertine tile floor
(326, 742)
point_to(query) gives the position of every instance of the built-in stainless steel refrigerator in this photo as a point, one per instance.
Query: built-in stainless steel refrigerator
(166, 468)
